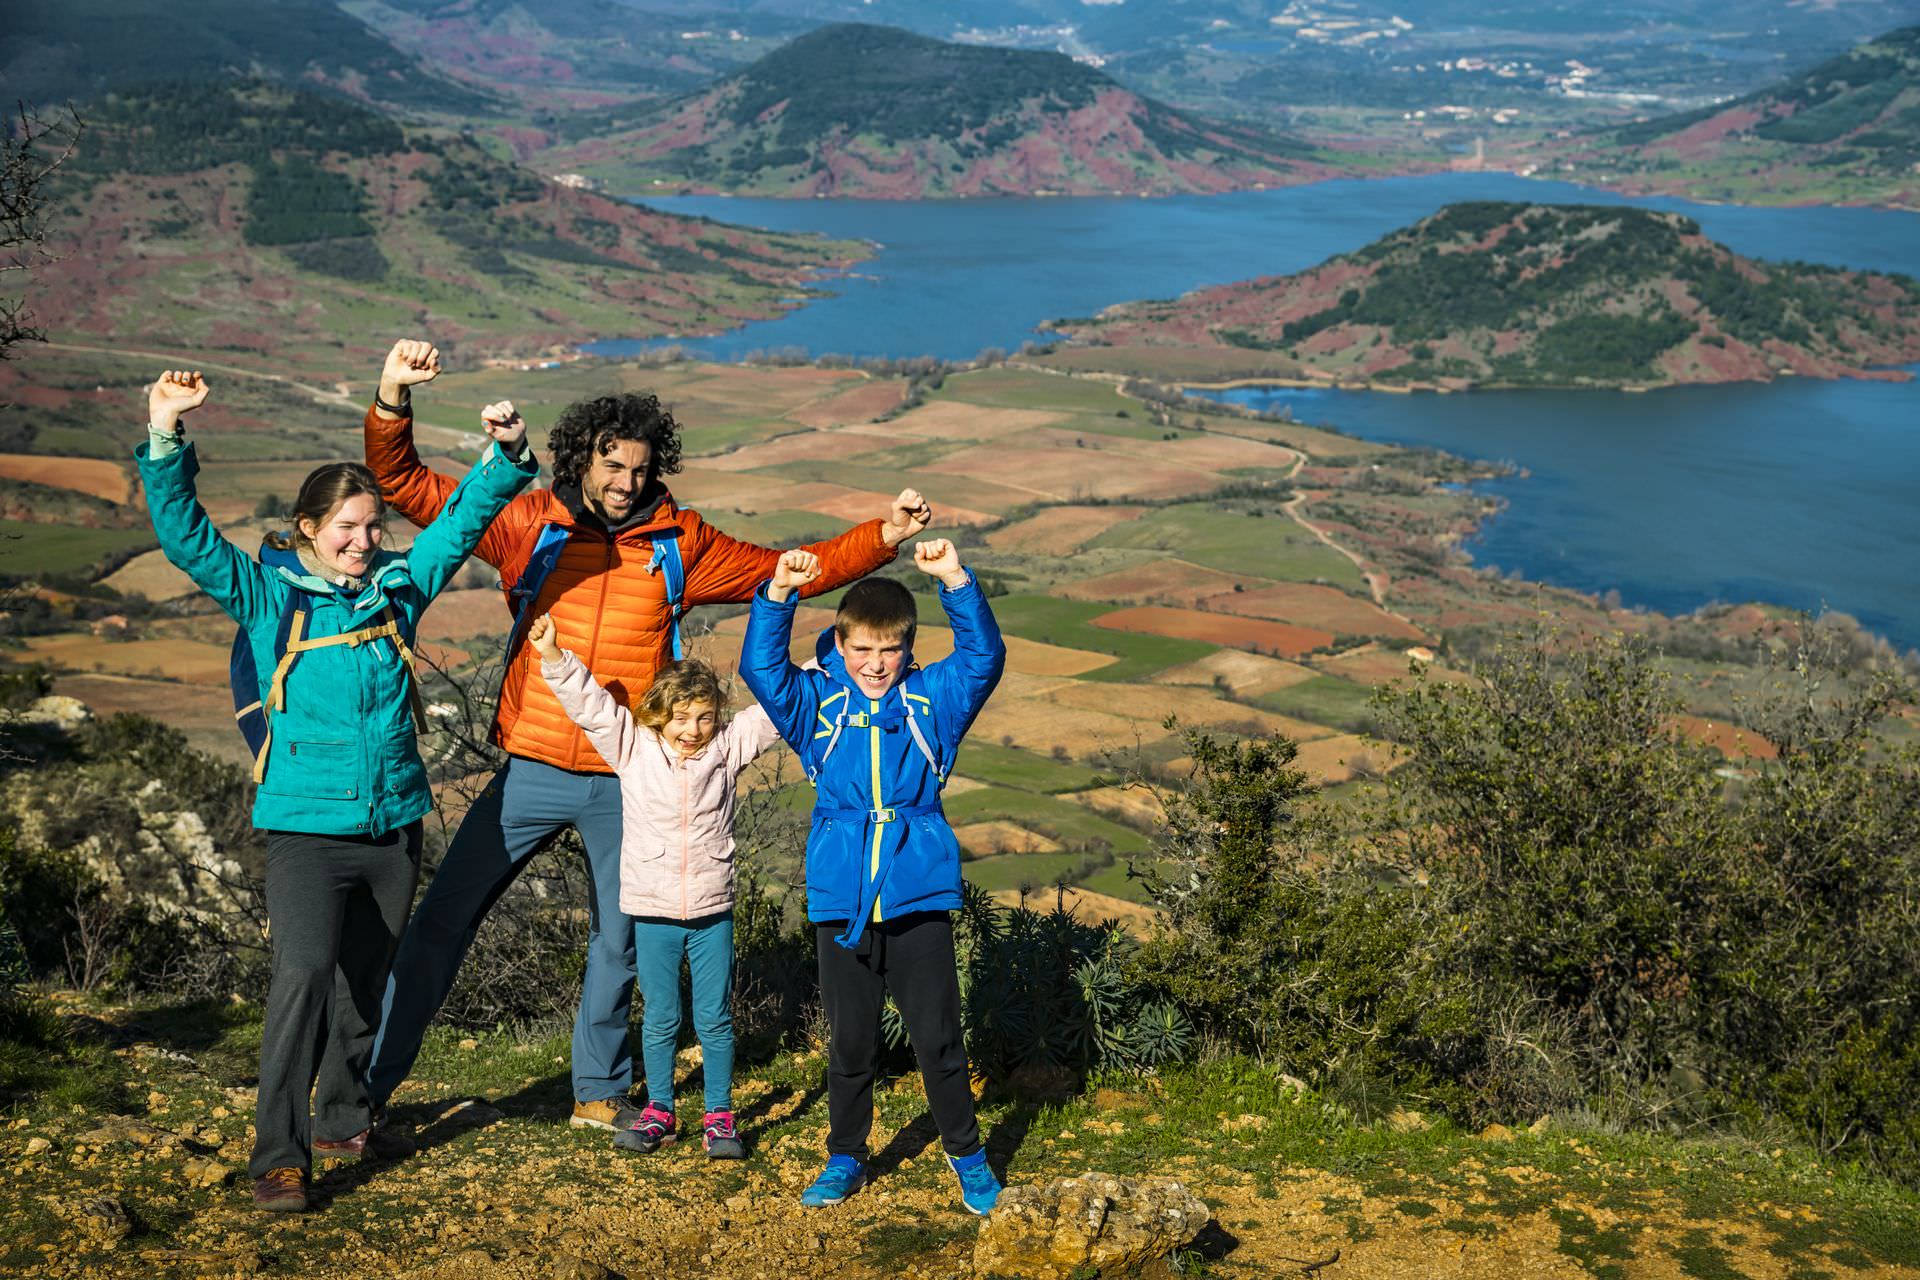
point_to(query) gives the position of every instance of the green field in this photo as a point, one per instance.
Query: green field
(1058, 820)
(1328, 700)
(1233, 541)
(1022, 770)
(780, 528)
(1022, 870)
(28, 549)
(1069, 623)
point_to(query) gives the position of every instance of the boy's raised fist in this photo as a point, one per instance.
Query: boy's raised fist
(941, 559)
(911, 514)
(540, 634)
(173, 393)
(504, 423)
(795, 569)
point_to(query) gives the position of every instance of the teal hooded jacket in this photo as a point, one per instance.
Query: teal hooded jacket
(342, 759)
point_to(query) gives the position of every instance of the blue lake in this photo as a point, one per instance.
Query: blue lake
(1796, 492)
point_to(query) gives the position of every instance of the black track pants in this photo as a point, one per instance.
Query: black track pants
(910, 959)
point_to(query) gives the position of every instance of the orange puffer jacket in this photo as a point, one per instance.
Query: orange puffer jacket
(606, 606)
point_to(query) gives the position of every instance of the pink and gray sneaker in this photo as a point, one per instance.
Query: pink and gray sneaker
(652, 1130)
(722, 1142)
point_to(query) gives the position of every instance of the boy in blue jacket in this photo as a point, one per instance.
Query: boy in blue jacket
(877, 735)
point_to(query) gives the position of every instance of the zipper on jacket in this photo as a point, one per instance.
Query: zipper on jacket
(593, 645)
(685, 866)
(873, 742)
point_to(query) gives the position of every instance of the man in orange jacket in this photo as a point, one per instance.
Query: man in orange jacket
(594, 542)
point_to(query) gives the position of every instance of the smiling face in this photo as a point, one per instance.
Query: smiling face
(349, 537)
(875, 659)
(613, 480)
(690, 728)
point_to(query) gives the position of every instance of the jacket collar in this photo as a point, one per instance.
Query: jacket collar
(292, 569)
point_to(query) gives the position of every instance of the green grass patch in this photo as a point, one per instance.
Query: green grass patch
(1022, 770)
(1059, 820)
(1070, 623)
(1328, 700)
(780, 528)
(1002, 388)
(27, 548)
(1228, 538)
(1030, 871)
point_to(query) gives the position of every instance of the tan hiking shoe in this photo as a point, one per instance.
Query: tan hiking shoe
(606, 1113)
(281, 1191)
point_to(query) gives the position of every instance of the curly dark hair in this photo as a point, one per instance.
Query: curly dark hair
(586, 427)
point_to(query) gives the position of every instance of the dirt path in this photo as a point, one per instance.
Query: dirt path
(174, 359)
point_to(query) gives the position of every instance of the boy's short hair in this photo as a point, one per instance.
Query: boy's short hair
(880, 605)
(681, 682)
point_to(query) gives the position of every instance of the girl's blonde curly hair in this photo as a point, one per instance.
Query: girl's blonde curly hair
(678, 683)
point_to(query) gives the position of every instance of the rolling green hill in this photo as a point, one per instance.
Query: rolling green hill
(857, 110)
(248, 216)
(1560, 295)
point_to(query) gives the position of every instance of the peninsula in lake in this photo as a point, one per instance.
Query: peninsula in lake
(1494, 293)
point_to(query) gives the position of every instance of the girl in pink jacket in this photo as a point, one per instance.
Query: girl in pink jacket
(677, 766)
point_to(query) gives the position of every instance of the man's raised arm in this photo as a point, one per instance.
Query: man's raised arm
(728, 570)
(410, 486)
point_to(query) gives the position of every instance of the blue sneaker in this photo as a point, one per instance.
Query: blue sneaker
(979, 1189)
(841, 1178)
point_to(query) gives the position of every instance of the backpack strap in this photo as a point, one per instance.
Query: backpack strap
(243, 675)
(548, 543)
(673, 576)
(293, 642)
(844, 719)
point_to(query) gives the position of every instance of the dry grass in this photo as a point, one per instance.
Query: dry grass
(95, 477)
(1059, 531)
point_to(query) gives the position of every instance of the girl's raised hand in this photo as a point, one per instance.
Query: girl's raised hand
(540, 634)
(175, 392)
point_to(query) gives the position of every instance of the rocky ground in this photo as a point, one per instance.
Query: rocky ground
(128, 1160)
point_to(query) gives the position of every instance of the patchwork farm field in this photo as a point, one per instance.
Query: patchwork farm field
(1149, 569)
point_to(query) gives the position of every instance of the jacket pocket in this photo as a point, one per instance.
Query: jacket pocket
(928, 862)
(316, 768)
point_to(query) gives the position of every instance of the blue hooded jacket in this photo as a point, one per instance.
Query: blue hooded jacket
(880, 846)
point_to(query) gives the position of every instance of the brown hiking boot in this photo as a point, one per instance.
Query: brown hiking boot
(376, 1143)
(617, 1114)
(281, 1191)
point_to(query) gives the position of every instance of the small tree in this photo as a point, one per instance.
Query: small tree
(32, 150)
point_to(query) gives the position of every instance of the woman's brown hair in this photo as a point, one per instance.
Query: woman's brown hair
(321, 493)
(688, 680)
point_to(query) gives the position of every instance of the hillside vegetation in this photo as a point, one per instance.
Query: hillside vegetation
(1555, 295)
(857, 110)
(1845, 131)
(60, 49)
(249, 216)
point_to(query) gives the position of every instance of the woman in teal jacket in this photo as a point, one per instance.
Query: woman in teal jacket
(341, 787)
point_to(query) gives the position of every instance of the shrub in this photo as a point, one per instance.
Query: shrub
(1318, 966)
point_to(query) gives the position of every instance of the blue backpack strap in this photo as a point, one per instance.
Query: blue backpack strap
(547, 546)
(673, 576)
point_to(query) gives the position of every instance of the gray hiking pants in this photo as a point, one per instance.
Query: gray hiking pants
(336, 906)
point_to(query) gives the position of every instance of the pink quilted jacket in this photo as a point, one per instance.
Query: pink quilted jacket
(676, 840)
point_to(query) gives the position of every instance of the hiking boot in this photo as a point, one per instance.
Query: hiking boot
(721, 1141)
(617, 1114)
(652, 1129)
(281, 1191)
(841, 1178)
(373, 1143)
(979, 1189)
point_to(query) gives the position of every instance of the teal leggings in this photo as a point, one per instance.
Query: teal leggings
(707, 945)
